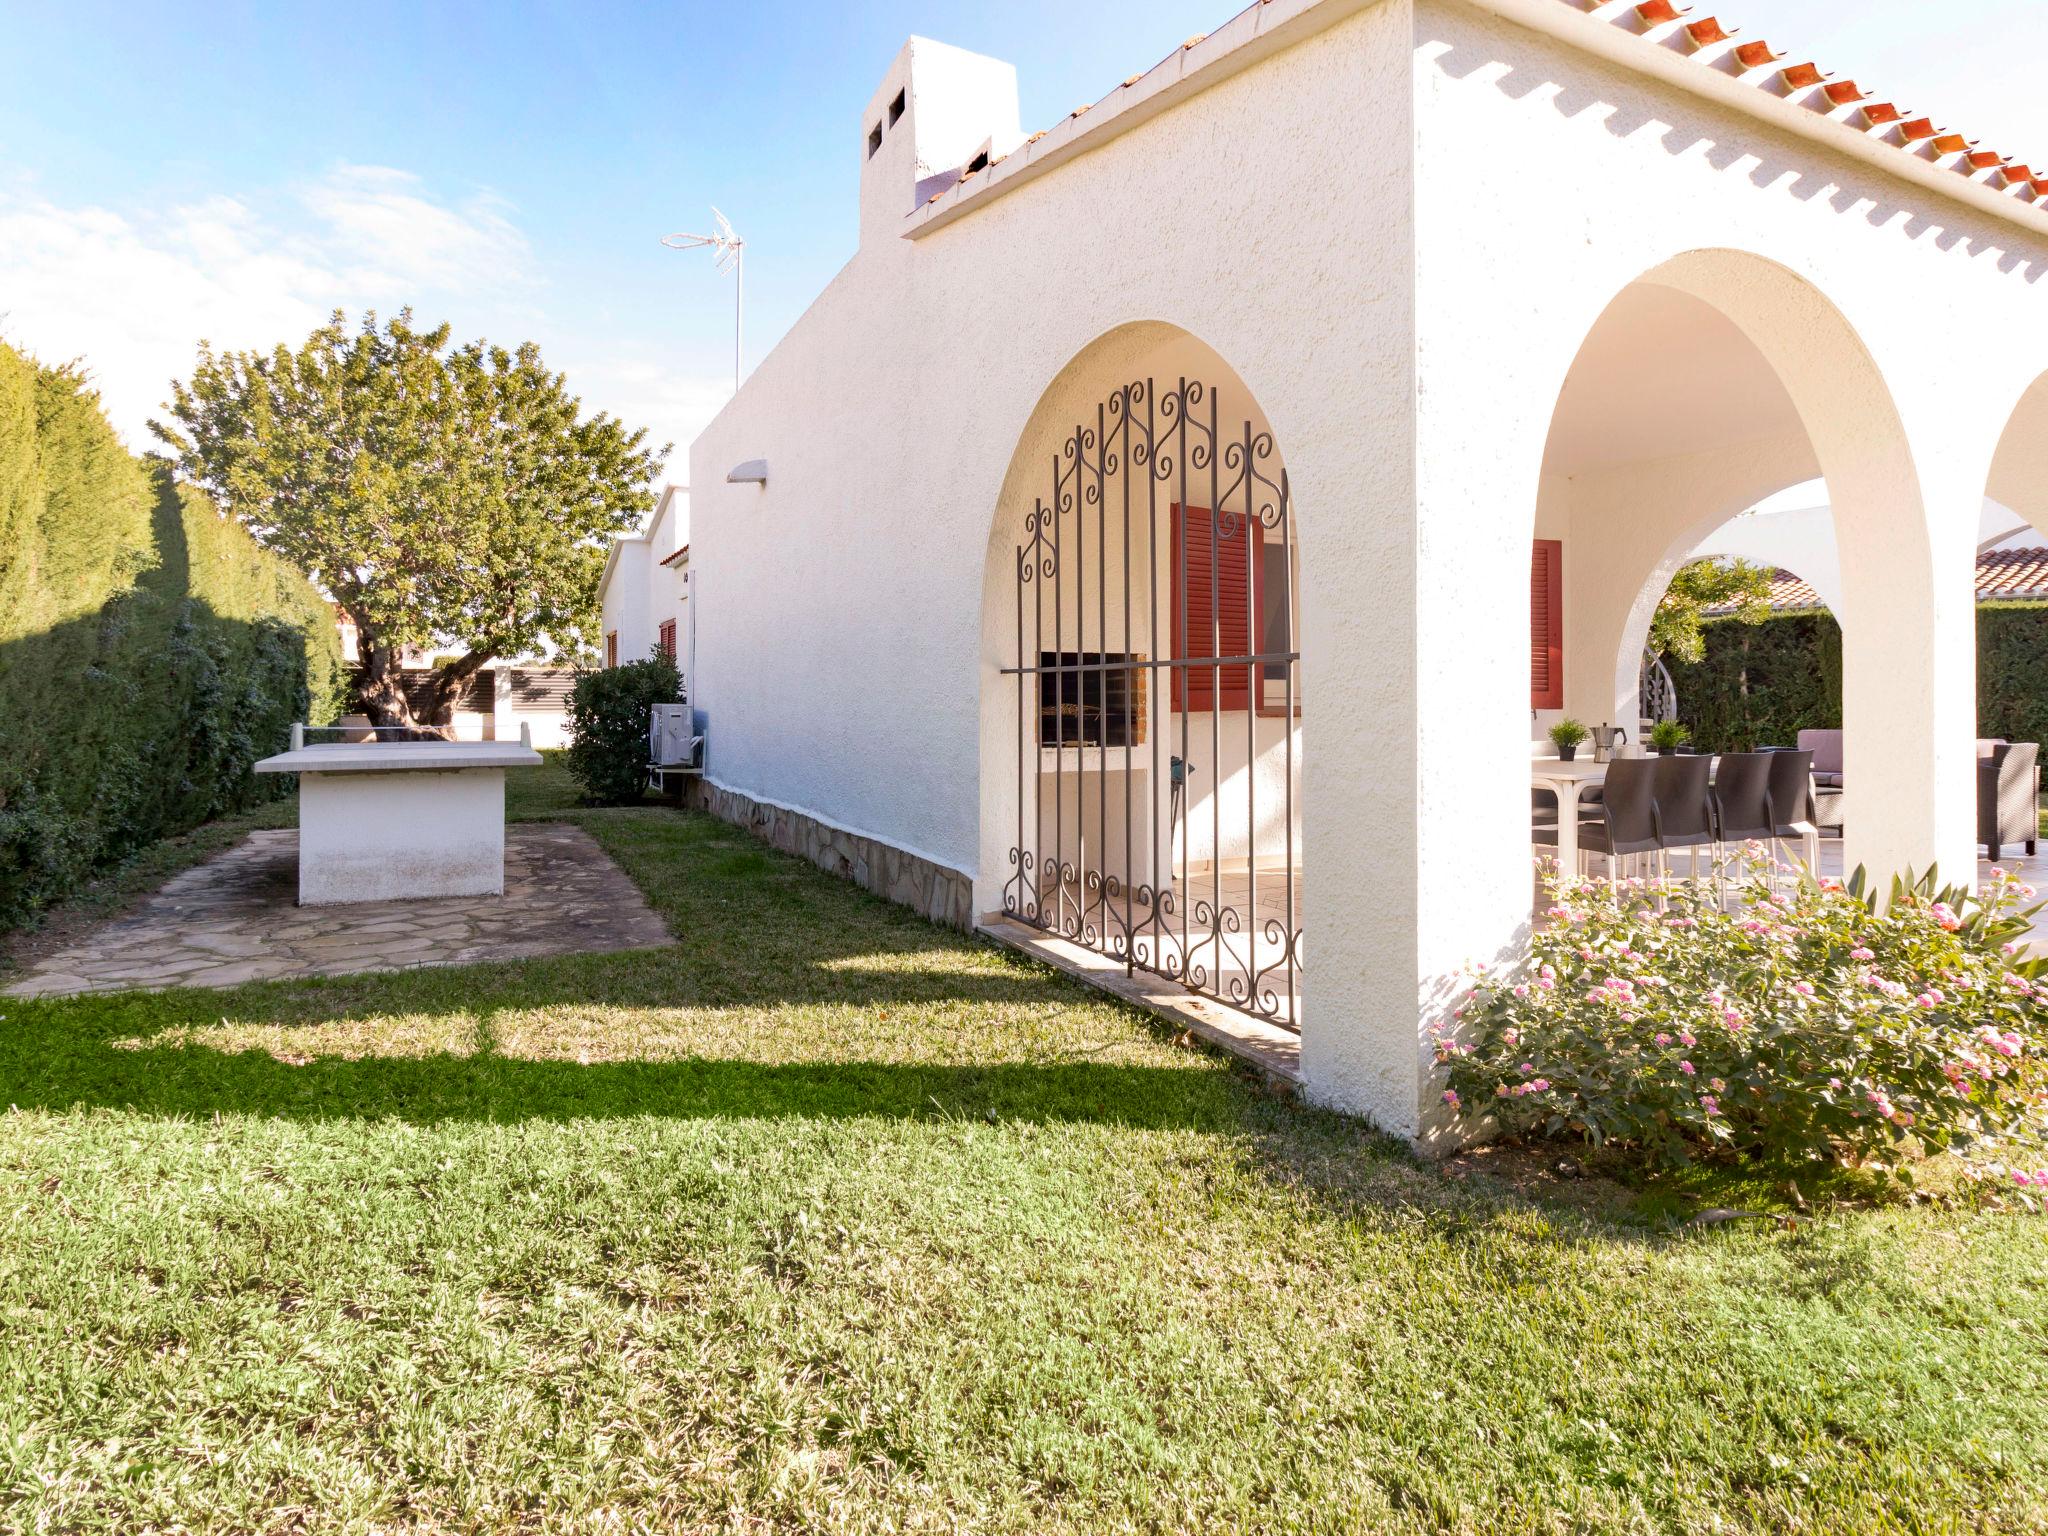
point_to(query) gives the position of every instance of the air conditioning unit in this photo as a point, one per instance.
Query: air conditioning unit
(673, 741)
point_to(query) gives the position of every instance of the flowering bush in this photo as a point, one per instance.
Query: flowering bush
(1800, 1024)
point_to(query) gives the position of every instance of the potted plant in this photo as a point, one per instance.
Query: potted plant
(1667, 736)
(1566, 736)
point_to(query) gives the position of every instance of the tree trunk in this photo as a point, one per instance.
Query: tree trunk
(445, 686)
(380, 681)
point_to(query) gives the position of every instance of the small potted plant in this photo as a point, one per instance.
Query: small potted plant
(1566, 736)
(1667, 736)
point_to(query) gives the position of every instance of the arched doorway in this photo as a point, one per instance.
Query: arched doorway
(1710, 382)
(1142, 616)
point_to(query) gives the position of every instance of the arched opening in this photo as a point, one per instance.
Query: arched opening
(1707, 385)
(1143, 697)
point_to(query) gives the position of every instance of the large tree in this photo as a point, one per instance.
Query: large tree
(453, 498)
(1741, 589)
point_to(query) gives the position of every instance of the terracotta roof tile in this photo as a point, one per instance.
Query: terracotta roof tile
(2003, 575)
(1713, 46)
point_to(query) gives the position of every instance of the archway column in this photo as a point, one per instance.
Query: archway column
(1909, 669)
(1416, 629)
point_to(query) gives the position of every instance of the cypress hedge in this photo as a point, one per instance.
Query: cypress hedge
(1759, 685)
(150, 652)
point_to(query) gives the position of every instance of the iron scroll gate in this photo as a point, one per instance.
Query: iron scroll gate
(1165, 553)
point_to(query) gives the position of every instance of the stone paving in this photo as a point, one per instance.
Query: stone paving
(236, 919)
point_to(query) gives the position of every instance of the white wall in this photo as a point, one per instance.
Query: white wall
(1395, 227)
(640, 591)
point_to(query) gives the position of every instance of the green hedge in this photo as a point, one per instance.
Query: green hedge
(1761, 684)
(150, 652)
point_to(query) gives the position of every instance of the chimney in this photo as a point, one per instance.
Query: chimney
(937, 108)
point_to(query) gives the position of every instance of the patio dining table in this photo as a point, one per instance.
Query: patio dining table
(1568, 782)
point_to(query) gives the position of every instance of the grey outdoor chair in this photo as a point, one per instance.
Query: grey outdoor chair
(1627, 821)
(1742, 797)
(2009, 797)
(1685, 804)
(1791, 802)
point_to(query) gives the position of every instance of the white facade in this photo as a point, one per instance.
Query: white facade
(646, 584)
(1489, 270)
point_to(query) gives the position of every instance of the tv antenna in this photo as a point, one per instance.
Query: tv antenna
(731, 257)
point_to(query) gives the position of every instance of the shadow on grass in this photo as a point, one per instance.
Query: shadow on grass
(200, 1081)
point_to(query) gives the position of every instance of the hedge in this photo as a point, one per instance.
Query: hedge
(1761, 684)
(150, 652)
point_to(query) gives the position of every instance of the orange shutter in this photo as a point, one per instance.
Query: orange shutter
(611, 648)
(1212, 607)
(1546, 624)
(666, 640)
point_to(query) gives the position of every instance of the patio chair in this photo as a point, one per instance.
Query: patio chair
(1826, 747)
(1790, 795)
(1685, 804)
(2009, 797)
(1627, 821)
(1742, 797)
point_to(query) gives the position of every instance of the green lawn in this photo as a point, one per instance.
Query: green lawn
(825, 1219)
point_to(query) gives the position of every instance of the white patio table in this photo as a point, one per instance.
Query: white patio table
(1566, 780)
(387, 820)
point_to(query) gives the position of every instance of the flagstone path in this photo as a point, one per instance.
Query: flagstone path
(236, 919)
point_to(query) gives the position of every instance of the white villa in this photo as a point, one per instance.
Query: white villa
(1369, 363)
(645, 590)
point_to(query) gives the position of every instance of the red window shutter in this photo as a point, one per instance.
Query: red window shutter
(611, 648)
(1546, 624)
(667, 639)
(1212, 606)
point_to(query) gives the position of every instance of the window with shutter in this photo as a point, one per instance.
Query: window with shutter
(611, 648)
(665, 640)
(1212, 603)
(1546, 624)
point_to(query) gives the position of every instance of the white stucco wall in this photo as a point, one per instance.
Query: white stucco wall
(639, 591)
(1394, 229)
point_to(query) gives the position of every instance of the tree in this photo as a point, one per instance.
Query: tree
(448, 498)
(1737, 585)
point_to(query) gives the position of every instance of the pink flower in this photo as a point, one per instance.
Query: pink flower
(1803, 988)
(1527, 1067)
(1686, 1067)
(1663, 1039)
(1927, 1000)
(1718, 1086)
(1541, 1085)
(1710, 1104)
(1685, 1038)
(1860, 953)
(1732, 1019)
(1944, 915)
(1451, 1097)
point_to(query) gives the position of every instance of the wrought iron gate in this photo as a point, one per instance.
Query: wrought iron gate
(1157, 668)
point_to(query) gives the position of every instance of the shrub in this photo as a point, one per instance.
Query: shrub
(1797, 1027)
(149, 651)
(608, 717)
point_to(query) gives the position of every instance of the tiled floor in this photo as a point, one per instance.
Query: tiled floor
(236, 918)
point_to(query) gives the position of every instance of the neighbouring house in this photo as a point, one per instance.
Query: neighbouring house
(1373, 364)
(645, 589)
(532, 692)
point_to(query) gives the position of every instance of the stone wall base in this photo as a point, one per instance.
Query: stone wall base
(931, 890)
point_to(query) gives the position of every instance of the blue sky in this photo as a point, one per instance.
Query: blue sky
(511, 167)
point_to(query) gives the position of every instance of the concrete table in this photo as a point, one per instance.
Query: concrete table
(382, 821)
(1566, 780)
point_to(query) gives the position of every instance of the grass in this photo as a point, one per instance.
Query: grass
(825, 1219)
